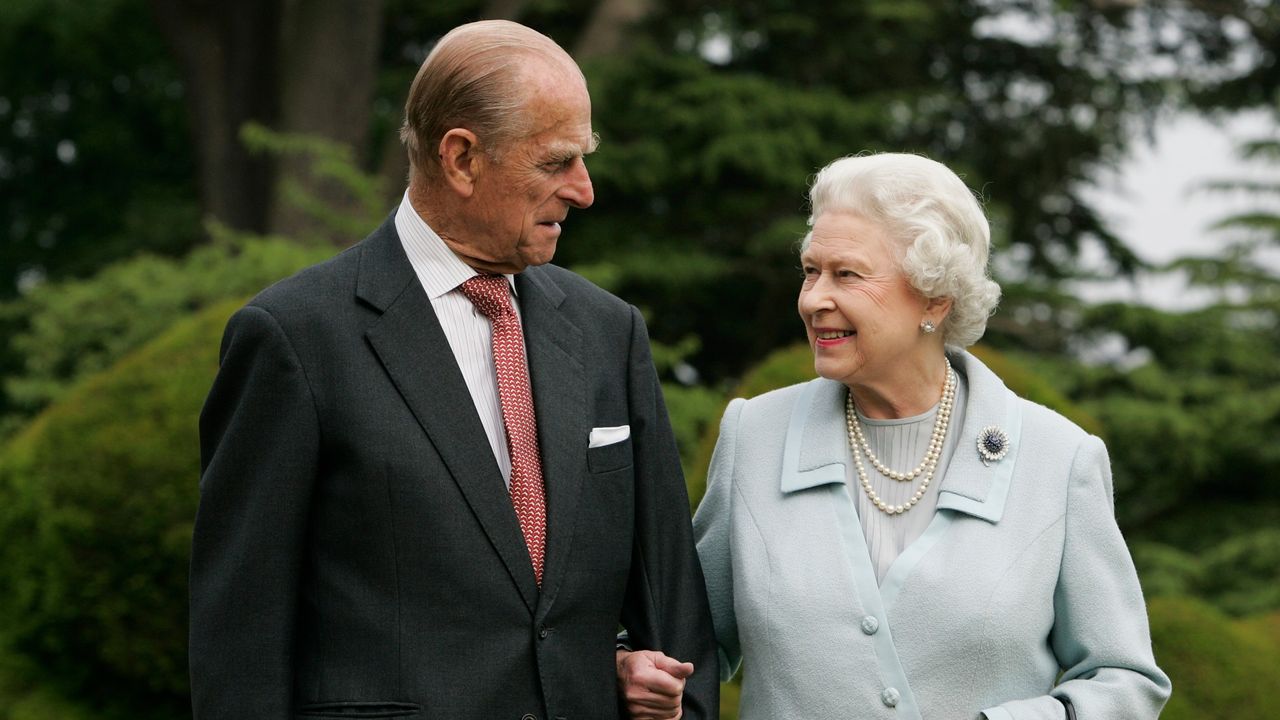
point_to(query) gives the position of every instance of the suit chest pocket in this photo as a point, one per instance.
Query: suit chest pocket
(607, 458)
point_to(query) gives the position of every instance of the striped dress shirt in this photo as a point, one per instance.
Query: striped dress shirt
(470, 333)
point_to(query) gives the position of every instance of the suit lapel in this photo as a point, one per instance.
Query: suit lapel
(553, 345)
(413, 349)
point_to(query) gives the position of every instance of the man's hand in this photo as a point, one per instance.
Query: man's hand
(651, 684)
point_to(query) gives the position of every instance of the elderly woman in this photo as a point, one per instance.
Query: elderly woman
(904, 537)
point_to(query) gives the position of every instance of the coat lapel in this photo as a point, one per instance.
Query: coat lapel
(816, 449)
(968, 485)
(556, 372)
(414, 351)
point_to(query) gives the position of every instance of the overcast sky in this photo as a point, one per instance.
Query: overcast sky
(1153, 205)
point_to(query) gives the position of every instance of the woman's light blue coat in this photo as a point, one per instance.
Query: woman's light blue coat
(1021, 576)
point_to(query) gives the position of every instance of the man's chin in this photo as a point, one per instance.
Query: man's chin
(538, 254)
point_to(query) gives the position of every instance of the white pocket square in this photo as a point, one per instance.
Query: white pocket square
(608, 435)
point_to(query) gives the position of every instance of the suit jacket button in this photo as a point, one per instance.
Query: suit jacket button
(528, 716)
(889, 697)
(543, 632)
(870, 625)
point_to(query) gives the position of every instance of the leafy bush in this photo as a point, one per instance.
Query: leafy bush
(39, 702)
(66, 330)
(1220, 667)
(97, 499)
(1239, 576)
(78, 327)
(780, 369)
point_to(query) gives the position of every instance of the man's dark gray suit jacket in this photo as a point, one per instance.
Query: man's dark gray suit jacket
(356, 553)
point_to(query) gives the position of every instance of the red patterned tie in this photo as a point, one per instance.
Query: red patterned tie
(490, 295)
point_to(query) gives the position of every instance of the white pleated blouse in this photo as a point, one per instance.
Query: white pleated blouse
(900, 445)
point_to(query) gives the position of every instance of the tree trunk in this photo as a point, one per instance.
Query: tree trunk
(503, 9)
(329, 63)
(606, 31)
(300, 66)
(227, 52)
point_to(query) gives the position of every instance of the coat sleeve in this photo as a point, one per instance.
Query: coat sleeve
(1100, 634)
(711, 530)
(259, 436)
(665, 608)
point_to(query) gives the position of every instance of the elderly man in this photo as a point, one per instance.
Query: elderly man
(437, 472)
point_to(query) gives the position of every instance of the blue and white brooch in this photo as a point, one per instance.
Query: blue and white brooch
(993, 444)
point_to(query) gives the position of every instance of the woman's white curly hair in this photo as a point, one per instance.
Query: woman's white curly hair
(941, 231)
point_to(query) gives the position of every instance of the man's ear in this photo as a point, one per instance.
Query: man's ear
(460, 160)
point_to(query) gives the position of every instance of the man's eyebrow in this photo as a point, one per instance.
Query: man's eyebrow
(569, 151)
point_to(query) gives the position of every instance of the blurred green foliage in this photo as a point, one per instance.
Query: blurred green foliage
(74, 328)
(65, 330)
(1240, 575)
(332, 162)
(1221, 668)
(97, 501)
(94, 157)
(98, 492)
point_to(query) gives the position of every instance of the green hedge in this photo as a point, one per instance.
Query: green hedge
(1221, 668)
(75, 328)
(97, 499)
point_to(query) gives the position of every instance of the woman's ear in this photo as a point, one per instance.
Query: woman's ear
(937, 310)
(460, 160)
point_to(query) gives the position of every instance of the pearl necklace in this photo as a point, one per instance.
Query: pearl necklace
(927, 466)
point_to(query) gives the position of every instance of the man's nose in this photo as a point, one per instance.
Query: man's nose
(578, 191)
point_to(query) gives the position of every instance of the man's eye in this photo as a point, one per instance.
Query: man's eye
(848, 274)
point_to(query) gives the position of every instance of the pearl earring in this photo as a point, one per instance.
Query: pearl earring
(927, 327)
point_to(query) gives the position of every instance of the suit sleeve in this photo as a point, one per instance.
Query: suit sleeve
(665, 608)
(1100, 634)
(259, 437)
(711, 531)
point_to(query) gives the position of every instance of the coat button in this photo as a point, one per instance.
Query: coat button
(870, 625)
(543, 632)
(528, 716)
(890, 696)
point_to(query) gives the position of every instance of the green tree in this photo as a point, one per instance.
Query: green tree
(94, 163)
(72, 328)
(1189, 402)
(718, 114)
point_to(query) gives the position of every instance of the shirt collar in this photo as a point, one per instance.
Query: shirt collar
(438, 268)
